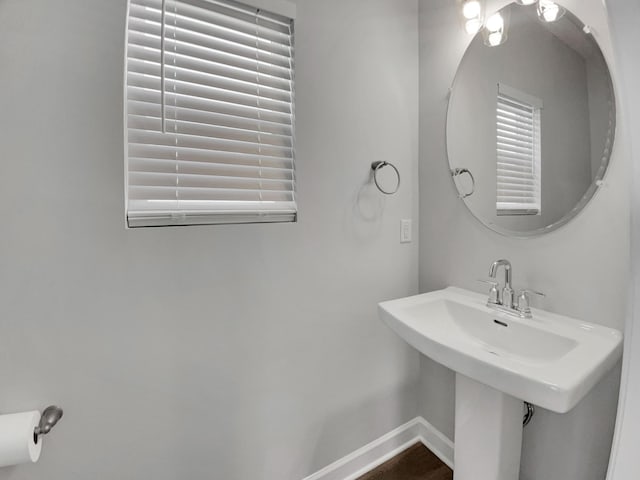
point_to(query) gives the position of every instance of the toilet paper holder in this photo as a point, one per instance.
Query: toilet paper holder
(50, 416)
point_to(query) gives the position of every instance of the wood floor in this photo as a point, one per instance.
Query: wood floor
(415, 463)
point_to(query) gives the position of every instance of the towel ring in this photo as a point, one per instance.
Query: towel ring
(379, 165)
(459, 171)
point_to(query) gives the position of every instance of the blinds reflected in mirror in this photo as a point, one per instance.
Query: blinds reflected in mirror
(209, 119)
(518, 153)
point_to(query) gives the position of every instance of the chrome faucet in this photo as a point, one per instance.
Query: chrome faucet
(507, 291)
(504, 300)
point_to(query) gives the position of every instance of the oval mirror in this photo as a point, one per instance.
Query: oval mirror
(531, 121)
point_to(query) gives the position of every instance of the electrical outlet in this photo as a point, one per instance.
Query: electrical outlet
(405, 231)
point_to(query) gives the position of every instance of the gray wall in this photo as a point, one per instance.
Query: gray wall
(230, 352)
(535, 62)
(583, 266)
(625, 463)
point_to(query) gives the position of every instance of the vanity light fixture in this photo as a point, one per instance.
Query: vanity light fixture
(472, 13)
(495, 30)
(549, 11)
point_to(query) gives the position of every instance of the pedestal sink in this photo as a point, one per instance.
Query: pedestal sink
(500, 361)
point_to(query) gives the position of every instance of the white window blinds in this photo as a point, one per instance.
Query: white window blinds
(209, 114)
(518, 153)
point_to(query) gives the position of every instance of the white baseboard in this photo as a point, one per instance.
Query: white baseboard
(436, 441)
(386, 447)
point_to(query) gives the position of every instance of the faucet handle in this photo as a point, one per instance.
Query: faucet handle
(524, 302)
(494, 293)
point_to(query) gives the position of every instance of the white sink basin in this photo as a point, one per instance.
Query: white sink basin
(550, 360)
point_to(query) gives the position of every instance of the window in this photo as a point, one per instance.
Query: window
(518, 147)
(209, 114)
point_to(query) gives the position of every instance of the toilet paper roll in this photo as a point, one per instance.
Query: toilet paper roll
(18, 444)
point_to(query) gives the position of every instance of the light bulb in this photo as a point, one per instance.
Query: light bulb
(549, 11)
(473, 26)
(550, 14)
(495, 23)
(526, 2)
(495, 39)
(471, 9)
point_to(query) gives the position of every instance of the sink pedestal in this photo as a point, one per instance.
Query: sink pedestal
(488, 432)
